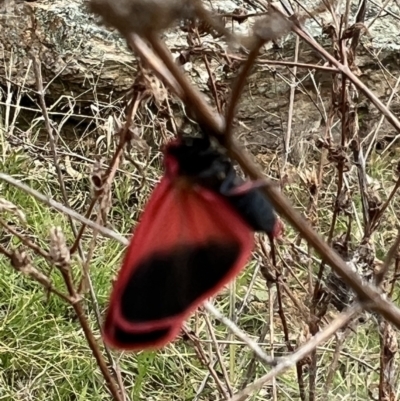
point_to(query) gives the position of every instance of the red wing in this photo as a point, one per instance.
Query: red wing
(189, 243)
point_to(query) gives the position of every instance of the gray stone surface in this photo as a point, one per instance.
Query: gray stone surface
(77, 54)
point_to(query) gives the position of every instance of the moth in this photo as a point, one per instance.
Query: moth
(194, 236)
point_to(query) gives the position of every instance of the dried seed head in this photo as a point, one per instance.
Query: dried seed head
(364, 259)
(338, 155)
(374, 203)
(97, 177)
(390, 341)
(143, 16)
(357, 28)
(6, 206)
(343, 202)
(21, 261)
(59, 252)
(339, 293)
(272, 27)
(105, 202)
(320, 8)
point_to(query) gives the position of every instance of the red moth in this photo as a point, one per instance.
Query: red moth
(195, 235)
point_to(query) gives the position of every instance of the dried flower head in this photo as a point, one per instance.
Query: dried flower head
(59, 252)
(21, 261)
(105, 202)
(97, 176)
(272, 27)
(6, 206)
(143, 16)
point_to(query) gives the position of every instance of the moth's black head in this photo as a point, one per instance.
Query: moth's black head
(197, 158)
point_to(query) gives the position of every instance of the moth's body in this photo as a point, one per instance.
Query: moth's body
(210, 169)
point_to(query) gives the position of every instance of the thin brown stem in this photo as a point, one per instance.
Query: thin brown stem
(291, 104)
(342, 320)
(92, 342)
(238, 88)
(379, 277)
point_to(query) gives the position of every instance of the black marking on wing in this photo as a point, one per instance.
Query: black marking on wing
(141, 339)
(167, 283)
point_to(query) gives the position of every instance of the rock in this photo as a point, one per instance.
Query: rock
(89, 63)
